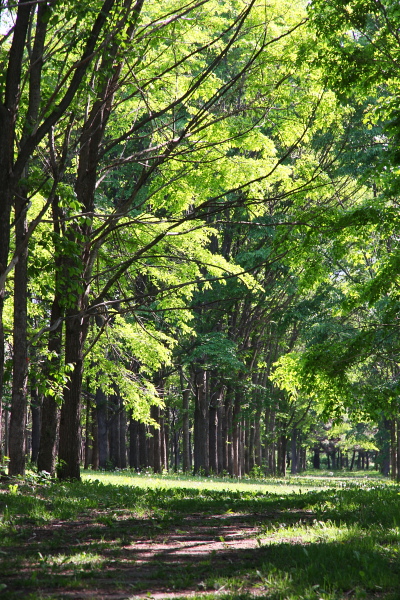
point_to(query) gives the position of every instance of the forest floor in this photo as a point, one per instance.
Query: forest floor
(125, 537)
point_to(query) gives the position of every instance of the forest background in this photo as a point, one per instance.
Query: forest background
(199, 254)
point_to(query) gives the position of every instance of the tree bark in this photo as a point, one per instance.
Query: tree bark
(20, 350)
(35, 411)
(134, 444)
(70, 433)
(201, 425)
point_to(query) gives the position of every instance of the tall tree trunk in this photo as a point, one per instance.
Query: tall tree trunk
(393, 449)
(282, 451)
(143, 448)
(114, 431)
(157, 459)
(95, 438)
(236, 430)
(88, 435)
(294, 463)
(213, 432)
(220, 438)
(102, 428)
(185, 430)
(20, 350)
(397, 449)
(50, 410)
(35, 411)
(201, 424)
(70, 433)
(122, 436)
(134, 444)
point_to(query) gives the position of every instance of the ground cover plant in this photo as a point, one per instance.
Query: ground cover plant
(129, 537)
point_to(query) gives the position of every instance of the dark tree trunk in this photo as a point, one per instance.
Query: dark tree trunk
(114, 431)
(316, 459)
(70, 433)
(220, 438)
(20, 350)
(352, 460)
(50, 410)
(143, 449)
(393, 449)
(95, 438)
(157, 459)
(185, 430)
(213, 435)
(35, 411)
(122, 437)
(236, 434)
(88, 435)
(282, 451)
(294, 464)
(102, 429)
(201, 424)
(134, 444)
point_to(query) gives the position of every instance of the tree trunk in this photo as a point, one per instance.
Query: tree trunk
(122, 438)
(114, 431)
(134, 444)
(282, 451)
(95, 440)
(185, 426)
(201, 425)
(70, 433)
(294, 463)
(35, 411)
(143, 447)
(20, 350)
(88, 435)
(157, 460)
(102, 428)
(213, 434)
(393, 449)
(50, 410)
(316, 459)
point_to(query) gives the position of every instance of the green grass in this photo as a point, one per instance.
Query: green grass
(312, 537)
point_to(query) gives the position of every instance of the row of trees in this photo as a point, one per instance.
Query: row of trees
(189, 222)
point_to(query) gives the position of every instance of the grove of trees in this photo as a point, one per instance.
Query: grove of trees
(199, 256)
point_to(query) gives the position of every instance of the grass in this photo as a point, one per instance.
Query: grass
(119, 535)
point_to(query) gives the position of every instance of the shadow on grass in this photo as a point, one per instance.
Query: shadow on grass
(97, 541)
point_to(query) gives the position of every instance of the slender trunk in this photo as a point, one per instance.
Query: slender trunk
(294, 464)
(393, 449)
(352, 460)
(101, 411)
(236, 433)
(316, 459)
(213, 434)
(50, 410)
(134, 444)
(185, 430)
(35, 411)
(20, 353)
(95, 440)
(114, 431)
(185, 389)
(282, 451)
(157, 460)
(122, 437)
(201, 424)
(70, 434)
(397, 449)
(143, 449)
(88, 435)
